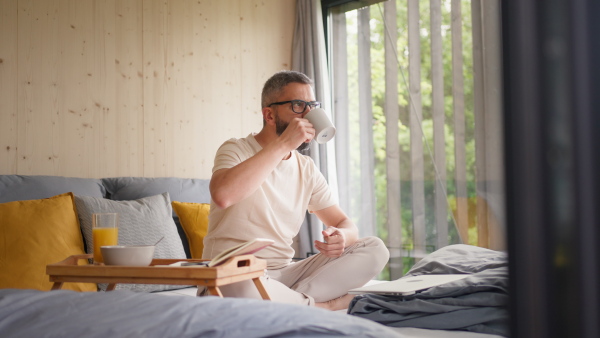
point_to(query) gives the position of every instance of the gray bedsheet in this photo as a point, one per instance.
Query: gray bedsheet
(476, 303)
(124, 313)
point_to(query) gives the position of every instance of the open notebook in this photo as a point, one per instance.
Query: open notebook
(407, 285)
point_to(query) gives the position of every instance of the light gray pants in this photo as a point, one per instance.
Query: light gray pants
(319, 278)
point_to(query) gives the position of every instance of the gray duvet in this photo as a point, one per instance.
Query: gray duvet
(123, 313)
(476, 303)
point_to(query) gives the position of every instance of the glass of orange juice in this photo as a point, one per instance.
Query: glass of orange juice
(105, 231)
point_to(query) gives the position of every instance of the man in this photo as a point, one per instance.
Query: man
(262, 186)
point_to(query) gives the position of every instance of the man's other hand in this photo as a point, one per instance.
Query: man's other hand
(335, 242)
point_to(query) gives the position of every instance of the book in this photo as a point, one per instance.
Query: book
(241, 249)
(245, 248)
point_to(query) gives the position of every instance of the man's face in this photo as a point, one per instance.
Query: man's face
(284, 113)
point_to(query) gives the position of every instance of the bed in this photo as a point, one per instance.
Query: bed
(125, 313)
(433, 313)
(477, 303)
(39, 220)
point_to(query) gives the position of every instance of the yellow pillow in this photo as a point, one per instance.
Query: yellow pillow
(34, 234)
(194, 221)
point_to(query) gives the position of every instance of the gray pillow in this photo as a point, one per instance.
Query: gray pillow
(141, 221)
(32, 187)
(180, 189)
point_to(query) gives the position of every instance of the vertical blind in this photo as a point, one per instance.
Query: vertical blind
(417, 104)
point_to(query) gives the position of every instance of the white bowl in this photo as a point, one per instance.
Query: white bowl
(131, 255)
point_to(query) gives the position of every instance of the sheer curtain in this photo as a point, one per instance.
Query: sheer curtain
(309, 56)
(417, 92)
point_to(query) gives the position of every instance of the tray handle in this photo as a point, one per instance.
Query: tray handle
(72, 260)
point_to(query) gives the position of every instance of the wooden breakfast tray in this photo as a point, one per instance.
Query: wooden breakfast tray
(235, 269)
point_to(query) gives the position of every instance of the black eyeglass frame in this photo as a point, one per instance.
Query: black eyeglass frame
(312, 104)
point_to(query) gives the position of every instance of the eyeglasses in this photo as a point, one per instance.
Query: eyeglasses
(299, 106)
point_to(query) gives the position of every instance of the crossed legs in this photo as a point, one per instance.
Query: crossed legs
(319, 280)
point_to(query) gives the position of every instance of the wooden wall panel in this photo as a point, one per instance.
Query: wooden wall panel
(212, 94)
(261, 44)
(8, 87)
(101, 81)
(39, 124)
(182, 82)
(155, 37)
(128, 73)
(133, 87)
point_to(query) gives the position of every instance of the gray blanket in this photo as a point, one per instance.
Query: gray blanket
(124, 313)
(476, 303)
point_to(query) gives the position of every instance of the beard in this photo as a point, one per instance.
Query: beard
(281, 126)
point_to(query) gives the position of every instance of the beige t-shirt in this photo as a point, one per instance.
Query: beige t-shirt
(276, 210)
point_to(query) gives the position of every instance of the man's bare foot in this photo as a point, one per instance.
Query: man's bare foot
(340, 303)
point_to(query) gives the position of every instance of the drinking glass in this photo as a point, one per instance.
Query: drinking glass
(105, 231)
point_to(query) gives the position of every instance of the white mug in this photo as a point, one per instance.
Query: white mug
(324, 129)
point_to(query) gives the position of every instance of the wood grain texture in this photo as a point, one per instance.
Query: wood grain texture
(234, 269)
(134, 87)
(8, 88)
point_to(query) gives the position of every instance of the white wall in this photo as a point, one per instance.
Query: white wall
(133, 87)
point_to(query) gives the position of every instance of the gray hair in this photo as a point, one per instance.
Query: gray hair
(277, 82)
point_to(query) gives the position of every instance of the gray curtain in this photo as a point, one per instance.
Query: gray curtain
(309, 56)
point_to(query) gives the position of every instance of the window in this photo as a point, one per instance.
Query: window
(417, 104)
